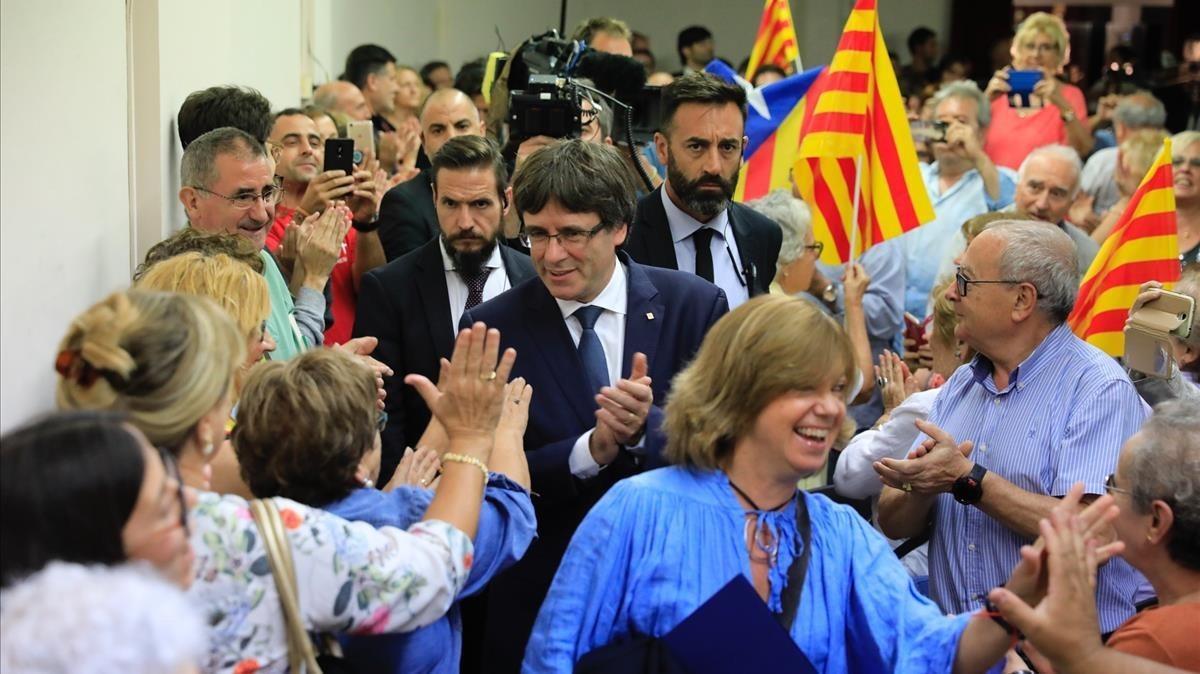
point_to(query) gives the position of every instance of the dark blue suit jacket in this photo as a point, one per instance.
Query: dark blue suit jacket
(667, 316)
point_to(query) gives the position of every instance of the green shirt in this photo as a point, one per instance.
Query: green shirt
(281, 323)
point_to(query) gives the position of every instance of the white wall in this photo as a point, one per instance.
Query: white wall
(64, 236)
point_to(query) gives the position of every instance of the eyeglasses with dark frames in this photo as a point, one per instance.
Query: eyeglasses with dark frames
(568, 237)
(1110, 485)
(962, 282)
(243, 202)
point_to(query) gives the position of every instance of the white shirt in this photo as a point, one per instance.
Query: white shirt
(723, 247)
(456, 287)
(610, 328)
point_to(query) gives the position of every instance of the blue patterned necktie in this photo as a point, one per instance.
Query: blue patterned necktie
(591, 352)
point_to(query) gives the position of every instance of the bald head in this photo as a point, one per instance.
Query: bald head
(343, 97)
(446, 114)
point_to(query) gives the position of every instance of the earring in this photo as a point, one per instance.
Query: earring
(368, 483)
(207, 450)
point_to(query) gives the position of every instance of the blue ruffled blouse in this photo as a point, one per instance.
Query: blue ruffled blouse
(506, 528)
(658, 545)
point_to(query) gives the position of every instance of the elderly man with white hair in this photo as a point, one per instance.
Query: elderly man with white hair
(1047, 184)
(1035, 411)
(962, 183)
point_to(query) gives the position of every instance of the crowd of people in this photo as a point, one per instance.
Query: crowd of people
(493, 403)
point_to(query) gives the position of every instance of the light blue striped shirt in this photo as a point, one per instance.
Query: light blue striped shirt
(1062, 419)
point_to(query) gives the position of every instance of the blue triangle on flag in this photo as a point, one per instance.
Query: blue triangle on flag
(767, 106)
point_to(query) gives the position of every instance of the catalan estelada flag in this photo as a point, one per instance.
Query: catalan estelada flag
(775, 43)
(855, 110)
(1142, 247)
(773, 116)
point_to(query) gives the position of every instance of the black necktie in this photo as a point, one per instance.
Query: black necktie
(704, 262)
(475, 287)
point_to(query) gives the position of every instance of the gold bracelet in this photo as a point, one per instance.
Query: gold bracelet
(459, 458)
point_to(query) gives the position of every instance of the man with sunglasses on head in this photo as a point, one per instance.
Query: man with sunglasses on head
(1037, 410)
(228, 187)
(599, 339)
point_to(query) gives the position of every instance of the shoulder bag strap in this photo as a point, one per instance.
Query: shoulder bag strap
(301, 657)
(798, 568)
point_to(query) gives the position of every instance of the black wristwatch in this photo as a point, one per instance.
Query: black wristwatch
(368, 225)
(968, 489)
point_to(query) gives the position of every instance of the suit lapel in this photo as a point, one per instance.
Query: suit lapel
(644, 315)
(516, 266)
(435, 298)
(660, 249)
(556, 349)
(745, 241)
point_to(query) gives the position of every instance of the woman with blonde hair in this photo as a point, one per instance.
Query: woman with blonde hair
(1185, 165)
(758, 409)
(1041, 44)
(1135, 156)
(168, 361)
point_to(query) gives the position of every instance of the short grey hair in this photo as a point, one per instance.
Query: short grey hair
(1166, 465)
(198, 168)
(1062, 152)
(969, 91)
(1042, 254)
(1140, 110)
(793, 217)
(123, 618)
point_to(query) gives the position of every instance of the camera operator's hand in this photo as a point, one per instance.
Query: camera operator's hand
(529, 147)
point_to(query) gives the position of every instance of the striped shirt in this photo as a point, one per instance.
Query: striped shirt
(1062, 419)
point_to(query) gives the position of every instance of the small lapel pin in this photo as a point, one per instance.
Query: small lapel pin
(649, 315)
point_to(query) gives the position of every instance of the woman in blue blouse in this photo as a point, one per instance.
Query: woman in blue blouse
(756, 411)
(307, 431)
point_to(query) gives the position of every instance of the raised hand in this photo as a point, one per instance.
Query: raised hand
(625, 407)
(472, 390)
(324, 189)
(932, 472)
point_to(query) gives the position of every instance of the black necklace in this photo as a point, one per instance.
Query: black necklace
(749, 500)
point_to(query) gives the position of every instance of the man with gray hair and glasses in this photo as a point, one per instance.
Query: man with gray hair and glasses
(1098, 188)
(229, 187)
(1036, 411)
(962, 183)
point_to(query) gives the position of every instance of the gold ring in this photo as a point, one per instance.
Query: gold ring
(489, 376)
(907, 486)
(424, 482)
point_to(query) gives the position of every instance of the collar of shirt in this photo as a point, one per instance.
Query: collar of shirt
(933, 181)
(493, 262)
(613, 298)
(683, 225)
(1027, 371)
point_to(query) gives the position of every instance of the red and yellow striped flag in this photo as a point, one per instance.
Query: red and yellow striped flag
(855, 110)
(775, 43)
(1142, 247)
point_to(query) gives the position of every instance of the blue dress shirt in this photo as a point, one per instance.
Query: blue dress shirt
(660, 544)
(926, 245)
(1062, 419)
(506, 528)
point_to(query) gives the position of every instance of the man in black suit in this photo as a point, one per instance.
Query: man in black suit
(599, 338)
(413, 303)
(407, 218)
(689, 222)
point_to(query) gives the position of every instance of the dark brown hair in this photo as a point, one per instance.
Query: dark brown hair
(580, 177)
(469, 152)
(700, 88)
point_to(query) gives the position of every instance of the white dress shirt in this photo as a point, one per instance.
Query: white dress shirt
(610, 328)
(723, 247)
(456, 287)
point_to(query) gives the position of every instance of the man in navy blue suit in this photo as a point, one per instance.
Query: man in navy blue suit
(599, 337)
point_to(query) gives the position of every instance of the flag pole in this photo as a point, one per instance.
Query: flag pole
(854, 212)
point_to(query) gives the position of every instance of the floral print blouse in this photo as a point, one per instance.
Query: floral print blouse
(352, 578)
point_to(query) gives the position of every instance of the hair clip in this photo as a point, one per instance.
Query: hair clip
(71, 365)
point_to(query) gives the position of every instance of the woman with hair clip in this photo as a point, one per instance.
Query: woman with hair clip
(329, 458)
(168, 362)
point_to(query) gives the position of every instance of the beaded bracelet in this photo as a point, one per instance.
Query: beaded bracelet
(459, 458)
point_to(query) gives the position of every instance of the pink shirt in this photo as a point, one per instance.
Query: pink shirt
(1011, 137)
